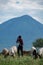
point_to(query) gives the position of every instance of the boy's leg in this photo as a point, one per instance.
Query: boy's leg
(18, 51)
(21, 50)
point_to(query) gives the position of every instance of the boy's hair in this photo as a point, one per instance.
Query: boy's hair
(19, 36)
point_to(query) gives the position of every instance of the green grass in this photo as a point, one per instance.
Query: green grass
(25, 60)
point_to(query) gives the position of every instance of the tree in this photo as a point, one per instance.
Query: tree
(38, 43)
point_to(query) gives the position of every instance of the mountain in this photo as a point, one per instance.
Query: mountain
(26, 26)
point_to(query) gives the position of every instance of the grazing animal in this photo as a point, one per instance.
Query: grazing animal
(13, 51)
(5, 52)
(40, 53)
(34, 53)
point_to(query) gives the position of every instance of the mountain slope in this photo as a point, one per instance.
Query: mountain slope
(26, 26)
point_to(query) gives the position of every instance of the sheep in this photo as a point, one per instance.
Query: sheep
(13, 51)
(40, 53)
(32, 49)
(34, 53)
(5, 52)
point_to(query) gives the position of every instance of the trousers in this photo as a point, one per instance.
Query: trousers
(20, 50)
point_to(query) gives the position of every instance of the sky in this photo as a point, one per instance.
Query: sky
(16, 8)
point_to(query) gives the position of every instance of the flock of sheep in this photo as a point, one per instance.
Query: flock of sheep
(13, 51)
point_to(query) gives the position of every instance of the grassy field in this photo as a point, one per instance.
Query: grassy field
(25, 60)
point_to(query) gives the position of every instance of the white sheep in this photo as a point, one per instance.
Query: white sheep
(13, 51)
(40, 52)
(5, 52)
(33, 52)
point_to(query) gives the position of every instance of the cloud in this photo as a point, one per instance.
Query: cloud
(13, 8)
(4, 1)
(37, 14)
